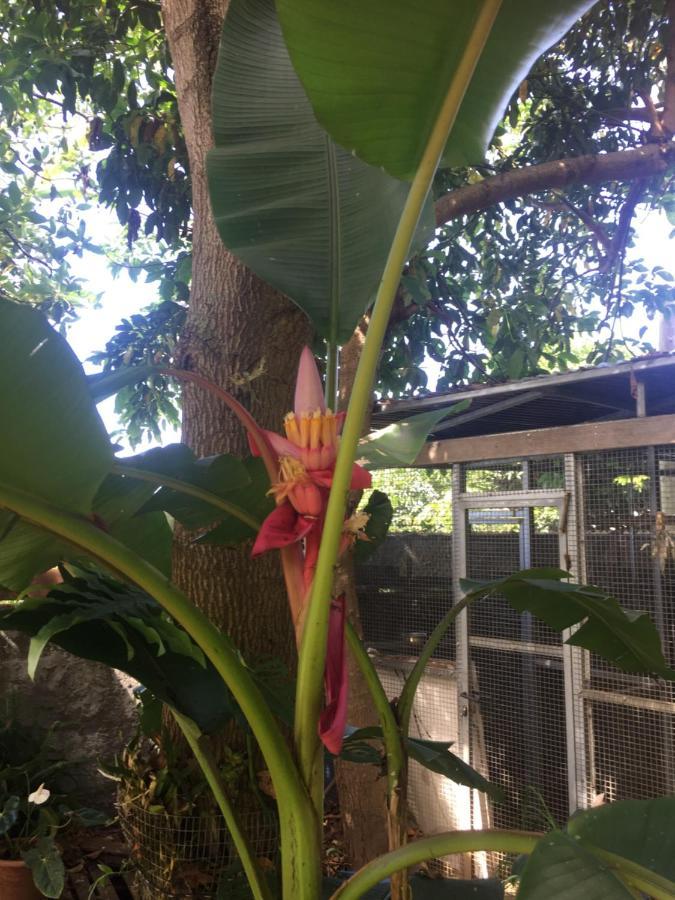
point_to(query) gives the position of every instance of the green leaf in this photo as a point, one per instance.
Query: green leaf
(54, 444)
(642, 831)
(95, 617)
(44, 861)
(306, 215)
(26, 551)
(224, 476)
(377, 73)
(562, 868)
(380, 511)
(150, 535)
(254, 497)
(628, 639)
(433, 755)
(102, 386)
(9, 814)
(399, 444)
(436, 757)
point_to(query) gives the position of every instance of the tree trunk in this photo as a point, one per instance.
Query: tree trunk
(242, 335)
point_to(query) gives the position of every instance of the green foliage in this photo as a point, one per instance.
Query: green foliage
(505, 293)
(399, 444)
(639, 830)
(421, 498)
(297, 208)
(44, 861)
(50, 410)
(351, 69)
(151, 403)
(542, 283)
(380, 512)
(561, 867)
(432, 755)
(626, 638)
(241, 486)
(604, 852)
(32, 809)
(95, 617)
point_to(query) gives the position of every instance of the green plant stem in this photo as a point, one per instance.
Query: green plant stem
(397, 764)
(191, 490)
(407, 698)
(431, 848)
(393, 745)
(301, 848)
(313, 648)
(199, 745)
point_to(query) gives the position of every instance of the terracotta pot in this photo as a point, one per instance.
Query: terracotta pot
(16, 881)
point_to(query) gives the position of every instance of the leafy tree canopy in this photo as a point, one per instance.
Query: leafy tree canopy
(93, 119)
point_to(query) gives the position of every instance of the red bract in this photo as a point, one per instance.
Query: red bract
(301, 467)
(334, 717)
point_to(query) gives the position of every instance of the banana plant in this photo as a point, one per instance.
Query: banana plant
(327, 137)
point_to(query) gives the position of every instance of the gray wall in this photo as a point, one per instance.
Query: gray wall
(92, 704)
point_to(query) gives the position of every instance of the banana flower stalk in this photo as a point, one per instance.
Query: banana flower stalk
(301, 466)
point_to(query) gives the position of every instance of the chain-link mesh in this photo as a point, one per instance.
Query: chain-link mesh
(556, 727)
(628, 515)
(182, 856)
(406, 587)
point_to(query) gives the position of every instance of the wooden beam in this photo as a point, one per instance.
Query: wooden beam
(652, 430)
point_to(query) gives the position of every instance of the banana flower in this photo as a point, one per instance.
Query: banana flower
(301, 464)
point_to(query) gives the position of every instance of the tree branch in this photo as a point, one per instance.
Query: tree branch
(622, 165)
(618, 248)
(668, 118)
(626, 114)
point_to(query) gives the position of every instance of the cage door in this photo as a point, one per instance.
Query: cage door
(515, 685)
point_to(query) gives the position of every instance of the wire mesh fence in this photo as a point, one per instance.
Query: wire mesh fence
(628, 516)
(183, 855)
(557, 727)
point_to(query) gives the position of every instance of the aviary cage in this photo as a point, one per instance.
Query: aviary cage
(588, 487)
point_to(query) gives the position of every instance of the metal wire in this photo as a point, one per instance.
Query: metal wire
(556, 727)
(183, 856)
(628, 518)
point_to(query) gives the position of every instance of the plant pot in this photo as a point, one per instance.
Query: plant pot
(16, 881)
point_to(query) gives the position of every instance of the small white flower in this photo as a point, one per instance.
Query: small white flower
(39, 796)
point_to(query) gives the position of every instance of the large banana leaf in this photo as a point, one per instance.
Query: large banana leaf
(26, 551)
(307, 216)
(54, 445)
(377, 72)
(574, 864)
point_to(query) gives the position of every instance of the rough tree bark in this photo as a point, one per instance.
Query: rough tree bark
(242, 335)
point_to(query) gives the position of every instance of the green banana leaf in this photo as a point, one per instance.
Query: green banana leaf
(306, 215)
(54, 445)
(26, 551)
(399, 444)
(377, 73)
(626, 638)
(574, 864)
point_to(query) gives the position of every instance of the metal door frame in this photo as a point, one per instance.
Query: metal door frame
(565, 500)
